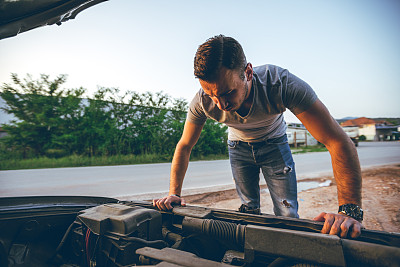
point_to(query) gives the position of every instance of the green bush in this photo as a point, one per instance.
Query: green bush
(56, 153)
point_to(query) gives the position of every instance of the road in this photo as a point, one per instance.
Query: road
(118, 181)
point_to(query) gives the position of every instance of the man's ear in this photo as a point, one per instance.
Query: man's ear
(249, 72)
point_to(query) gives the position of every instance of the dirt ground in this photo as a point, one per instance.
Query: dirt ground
(381, 199)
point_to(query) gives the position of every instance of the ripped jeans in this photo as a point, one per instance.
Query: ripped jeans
(274, 158)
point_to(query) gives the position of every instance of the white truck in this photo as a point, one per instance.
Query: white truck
(353, 133)
(300, 136)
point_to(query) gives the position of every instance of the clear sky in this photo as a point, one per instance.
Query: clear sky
(348, 51)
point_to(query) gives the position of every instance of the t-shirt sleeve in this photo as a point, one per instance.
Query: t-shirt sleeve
(297, 95)
(196, 112)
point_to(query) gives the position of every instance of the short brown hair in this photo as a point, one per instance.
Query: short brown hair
(218, 51)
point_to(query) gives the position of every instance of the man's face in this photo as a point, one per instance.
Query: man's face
(229, 92)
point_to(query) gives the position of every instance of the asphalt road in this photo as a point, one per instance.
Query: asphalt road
(118, 181)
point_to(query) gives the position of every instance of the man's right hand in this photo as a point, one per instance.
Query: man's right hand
(165, 203)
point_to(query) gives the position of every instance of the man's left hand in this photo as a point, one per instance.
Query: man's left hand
(339, 224)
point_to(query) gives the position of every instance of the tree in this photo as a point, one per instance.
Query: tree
(53, 121)
(40, 111)
(213, 139)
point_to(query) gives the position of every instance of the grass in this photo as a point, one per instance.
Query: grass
(82, 161)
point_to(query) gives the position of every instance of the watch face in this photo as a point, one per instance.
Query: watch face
(352, 210)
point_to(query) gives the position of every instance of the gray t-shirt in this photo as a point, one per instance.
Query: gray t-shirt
(275, 89)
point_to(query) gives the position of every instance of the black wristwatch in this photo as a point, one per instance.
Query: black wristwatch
(352, 210)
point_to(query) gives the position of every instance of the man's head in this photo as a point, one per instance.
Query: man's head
(225, 76)
(217, 52)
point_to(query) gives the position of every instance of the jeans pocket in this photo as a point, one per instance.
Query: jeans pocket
(232, 144)
(282, 171)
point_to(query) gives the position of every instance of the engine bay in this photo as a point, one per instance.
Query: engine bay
(106, 232)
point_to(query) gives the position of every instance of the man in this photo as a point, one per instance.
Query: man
(251, 102)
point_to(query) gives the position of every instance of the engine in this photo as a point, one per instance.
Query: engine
(88, 232)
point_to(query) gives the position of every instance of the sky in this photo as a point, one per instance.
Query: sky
(348, 51)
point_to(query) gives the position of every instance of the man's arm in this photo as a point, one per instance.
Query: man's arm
(180, 162)
(345, 164)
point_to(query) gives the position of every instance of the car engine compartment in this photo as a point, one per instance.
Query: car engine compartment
(87, 231)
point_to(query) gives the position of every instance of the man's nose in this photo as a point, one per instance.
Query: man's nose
(222, 103)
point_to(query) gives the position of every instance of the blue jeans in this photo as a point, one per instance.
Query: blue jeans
(274, 158)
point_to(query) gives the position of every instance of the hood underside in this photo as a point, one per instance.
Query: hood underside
(18, 16)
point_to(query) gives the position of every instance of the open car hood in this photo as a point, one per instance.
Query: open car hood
(18, 16)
